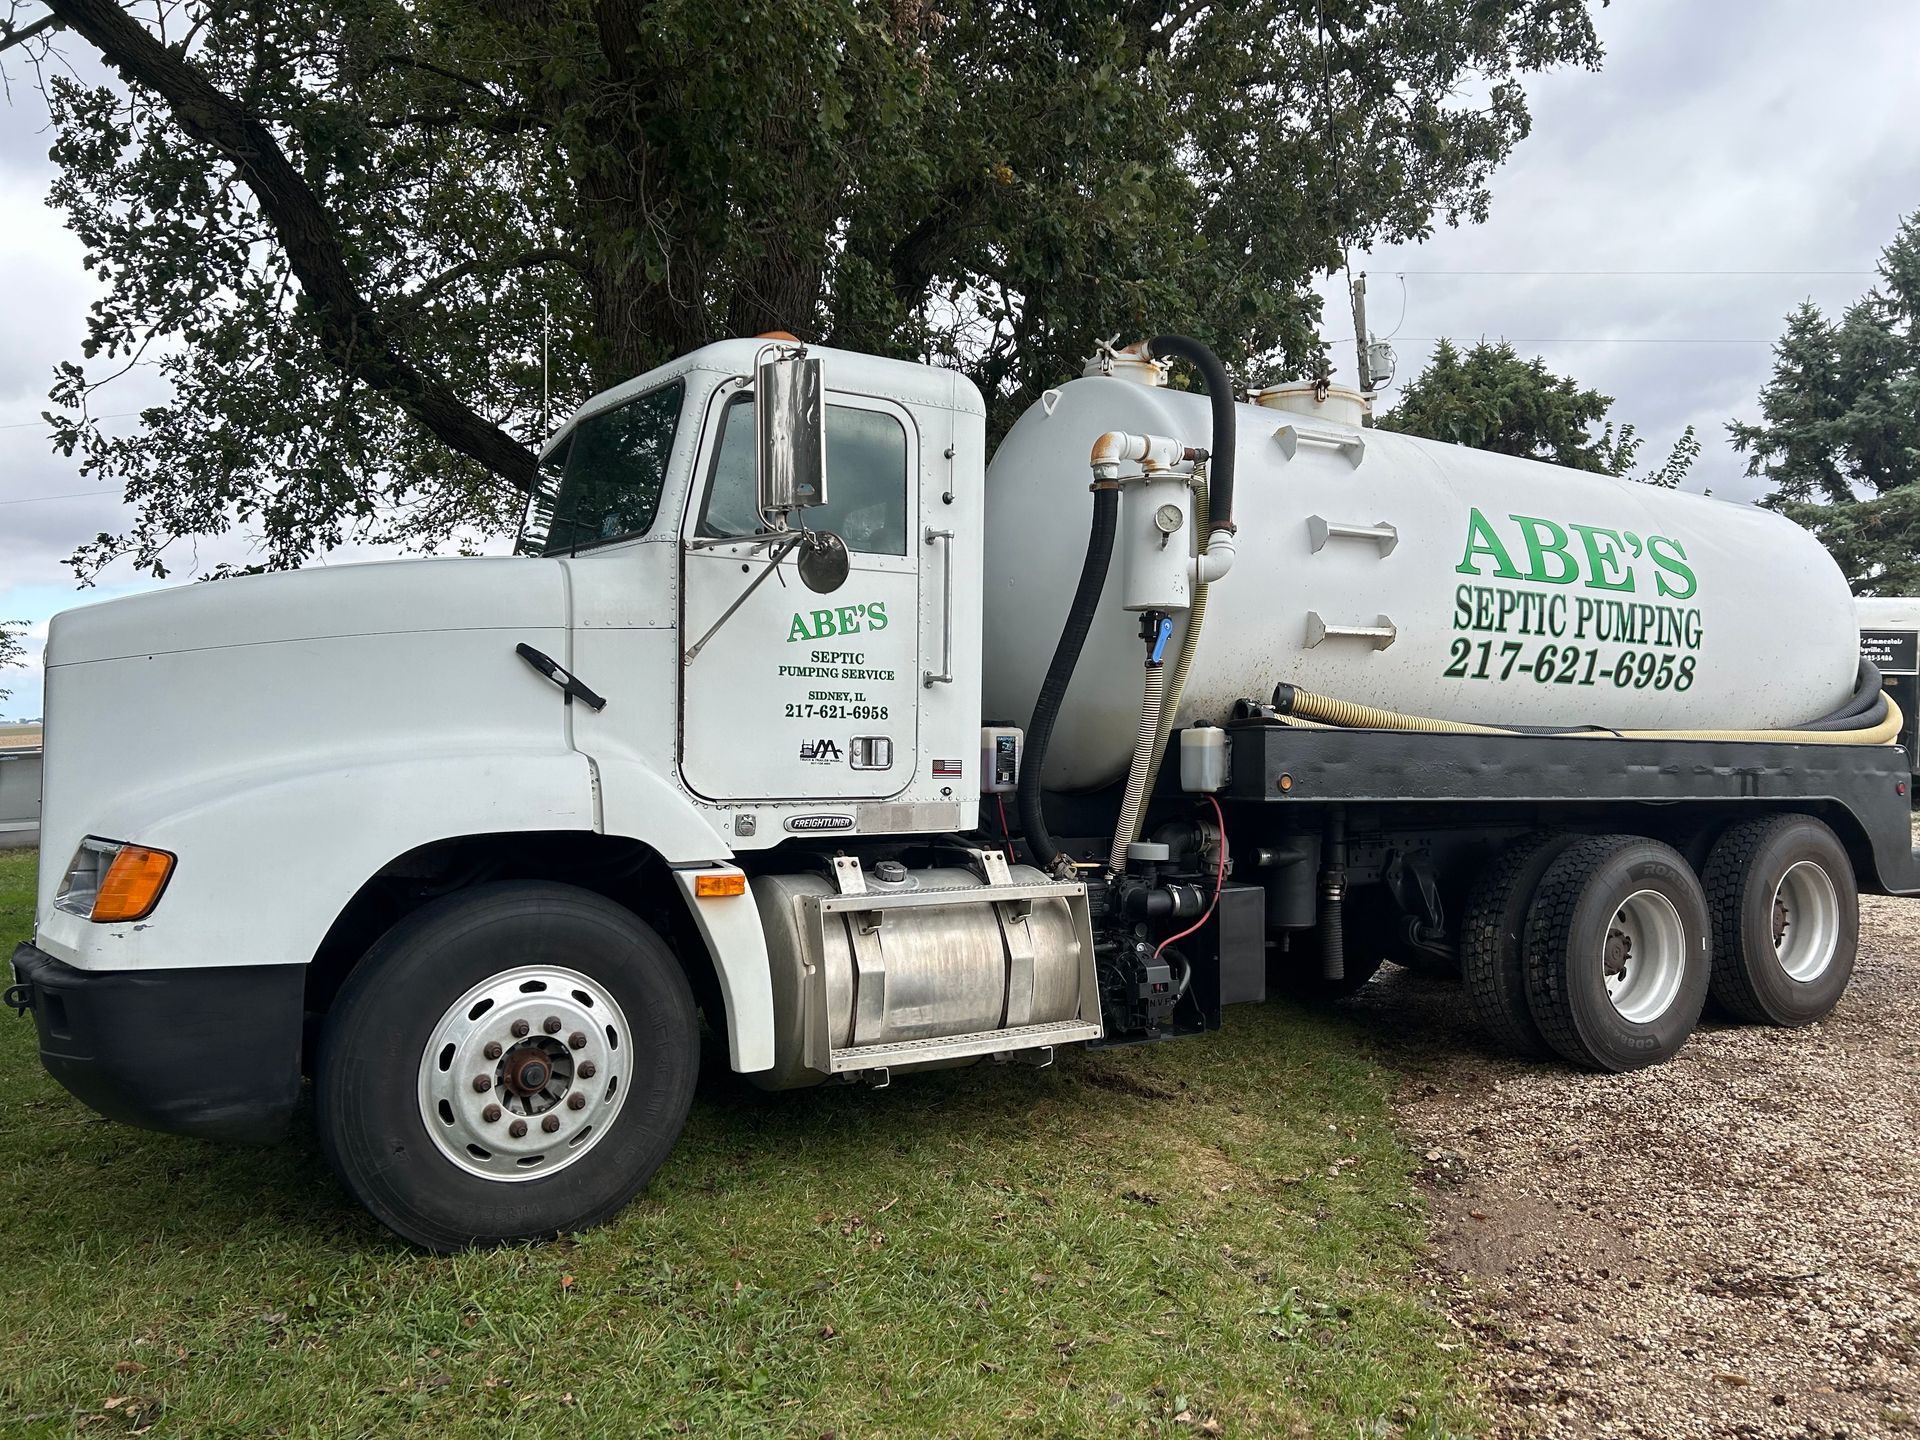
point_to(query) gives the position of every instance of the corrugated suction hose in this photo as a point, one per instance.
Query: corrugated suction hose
(1139, 773)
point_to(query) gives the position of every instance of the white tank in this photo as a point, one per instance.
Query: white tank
(1420, 577)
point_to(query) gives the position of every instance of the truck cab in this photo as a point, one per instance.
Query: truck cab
(635, 707)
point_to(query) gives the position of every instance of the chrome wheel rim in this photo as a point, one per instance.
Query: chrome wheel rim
(524, 1074)
(1644, 956)
(1806, 921)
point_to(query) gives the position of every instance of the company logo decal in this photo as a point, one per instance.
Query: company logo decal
(820, 752)
(846, 620)
(813, 824)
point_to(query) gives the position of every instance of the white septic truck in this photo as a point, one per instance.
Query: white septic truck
(802, 716)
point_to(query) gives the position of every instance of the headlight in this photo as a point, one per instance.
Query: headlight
(110, 880)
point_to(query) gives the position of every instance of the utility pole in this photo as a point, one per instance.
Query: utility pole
(1360, 359)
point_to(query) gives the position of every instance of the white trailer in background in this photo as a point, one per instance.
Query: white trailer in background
(1890, 638)
(19, 790)
(472, 842)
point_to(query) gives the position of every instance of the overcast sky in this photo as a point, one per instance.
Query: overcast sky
(1721, 136)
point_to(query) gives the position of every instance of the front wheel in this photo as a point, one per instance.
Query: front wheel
(510, 1062)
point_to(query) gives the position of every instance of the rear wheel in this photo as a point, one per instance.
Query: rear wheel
(1616, 952)
(1492, 942)
(510, 1062)
(1786, 920)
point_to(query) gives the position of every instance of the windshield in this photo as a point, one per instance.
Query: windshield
(609, 475)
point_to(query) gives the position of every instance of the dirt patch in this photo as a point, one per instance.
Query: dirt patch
(1725, 1245)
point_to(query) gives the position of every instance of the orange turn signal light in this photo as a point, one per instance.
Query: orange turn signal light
(717, 886)
(132, 885)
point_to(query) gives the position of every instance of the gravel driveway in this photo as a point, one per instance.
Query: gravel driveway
(1725, 1245)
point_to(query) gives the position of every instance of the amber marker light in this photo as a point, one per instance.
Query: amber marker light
(132, 885)
(719, 886)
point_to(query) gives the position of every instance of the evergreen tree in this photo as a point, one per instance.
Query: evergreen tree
(1839, 434)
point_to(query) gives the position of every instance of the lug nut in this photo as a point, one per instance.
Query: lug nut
(585, 1072)
(520, 1028)
(551, 1024)
(550, 1124)
(492, 1052)
(517, 1129)
(483, 1083)
(577, 1040)
(576, 1101)
(490, 1114)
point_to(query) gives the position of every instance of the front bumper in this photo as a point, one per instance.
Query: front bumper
(211, 1051)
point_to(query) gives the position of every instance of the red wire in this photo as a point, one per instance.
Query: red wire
(1219, 884)
(1001, 801)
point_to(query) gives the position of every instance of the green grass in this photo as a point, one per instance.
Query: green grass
(1152, 1241)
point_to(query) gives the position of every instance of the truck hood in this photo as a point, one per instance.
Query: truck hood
(386, 597)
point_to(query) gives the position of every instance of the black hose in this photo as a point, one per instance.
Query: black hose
(1868, 692)
(1066, 655)
(1220, 398)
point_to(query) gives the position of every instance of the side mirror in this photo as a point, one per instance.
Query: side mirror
(790, 435)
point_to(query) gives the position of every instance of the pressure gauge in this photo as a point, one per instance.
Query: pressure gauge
(1168, 519)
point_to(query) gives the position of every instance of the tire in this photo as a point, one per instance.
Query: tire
(1622, 901)
(1493, 952)
(1786, 920)
(417, 1140)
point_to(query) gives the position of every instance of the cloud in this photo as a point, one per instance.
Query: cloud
(1774, 141)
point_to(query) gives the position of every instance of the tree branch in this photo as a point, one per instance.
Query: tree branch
(532, 259)
(351, 333)
(9, 37)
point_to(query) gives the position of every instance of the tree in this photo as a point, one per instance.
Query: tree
(1491, 399)
(1839, 434)
(339, 228)
(11, 651)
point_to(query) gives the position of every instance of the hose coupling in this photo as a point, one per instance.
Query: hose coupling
(1152, 452)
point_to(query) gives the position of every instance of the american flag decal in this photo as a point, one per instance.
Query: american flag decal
(946, 769)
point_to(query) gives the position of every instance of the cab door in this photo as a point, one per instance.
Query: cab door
(799, 695)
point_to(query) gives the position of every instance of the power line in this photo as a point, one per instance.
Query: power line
(70, 495)
(29, 424)
(1616, 274)
(1568, 340)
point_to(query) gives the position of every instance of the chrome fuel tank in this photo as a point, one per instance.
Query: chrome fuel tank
(931, 968)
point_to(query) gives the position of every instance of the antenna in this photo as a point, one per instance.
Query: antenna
(546, 335)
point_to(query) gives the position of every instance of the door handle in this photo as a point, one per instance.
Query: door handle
(945, 677)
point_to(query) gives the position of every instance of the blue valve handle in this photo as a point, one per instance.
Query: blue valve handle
(1161, 635)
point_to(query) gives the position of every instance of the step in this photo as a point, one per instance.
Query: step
(958, 1047)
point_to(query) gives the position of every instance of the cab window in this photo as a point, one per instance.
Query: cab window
(610, 475)
(866, 480)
